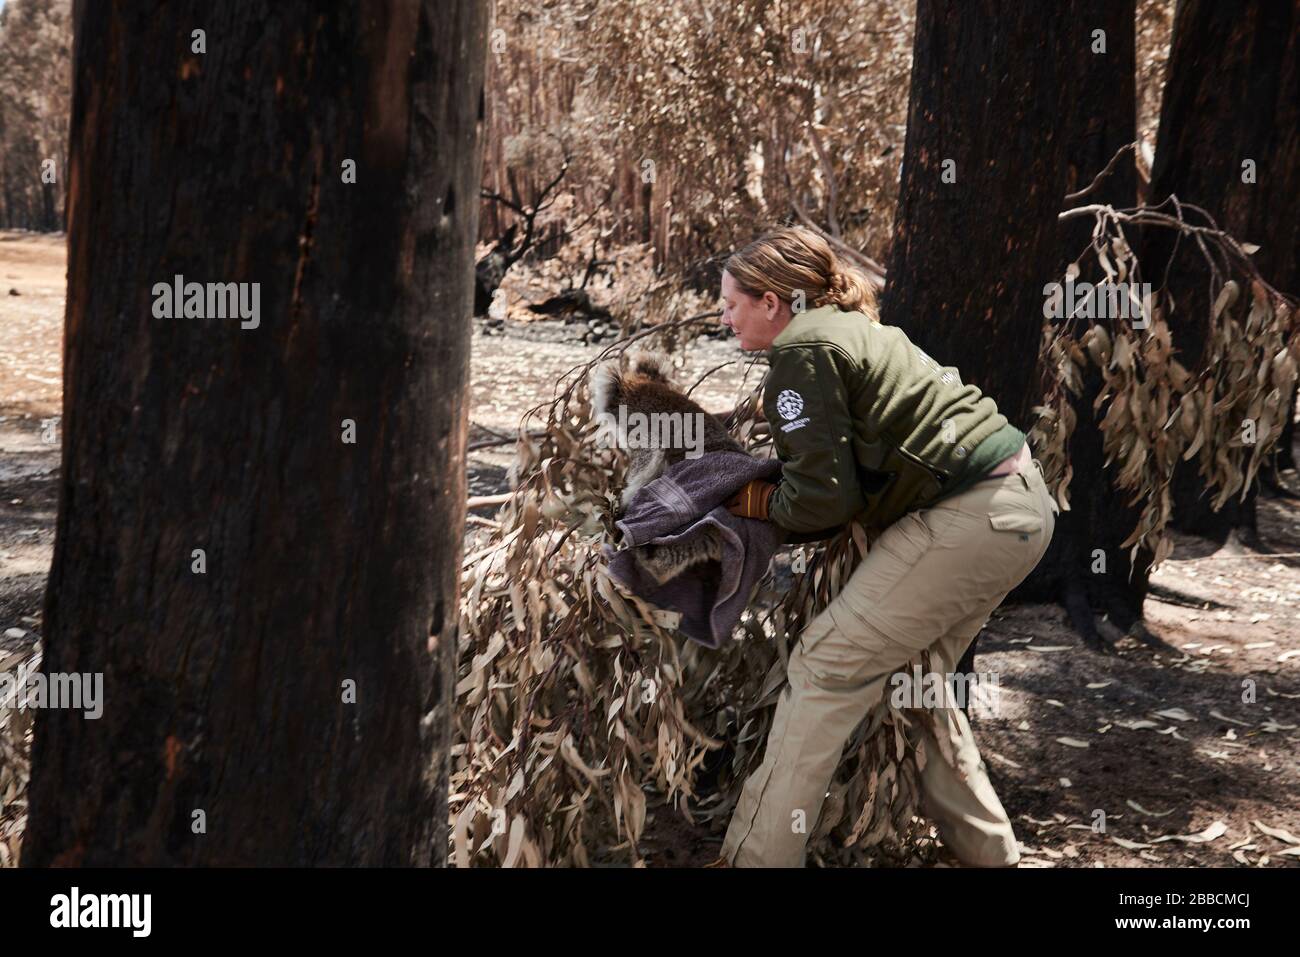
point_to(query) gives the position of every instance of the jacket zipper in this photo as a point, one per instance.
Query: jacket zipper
(935, 474)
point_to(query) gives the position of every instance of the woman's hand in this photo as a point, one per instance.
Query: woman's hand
(751, 500)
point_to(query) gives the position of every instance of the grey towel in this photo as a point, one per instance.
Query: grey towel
(688, 498)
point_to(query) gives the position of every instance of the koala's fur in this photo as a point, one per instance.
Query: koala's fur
(647, 388)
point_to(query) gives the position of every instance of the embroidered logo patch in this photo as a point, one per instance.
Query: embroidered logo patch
(789, 403)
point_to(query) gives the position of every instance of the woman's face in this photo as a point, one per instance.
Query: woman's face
(755, 320)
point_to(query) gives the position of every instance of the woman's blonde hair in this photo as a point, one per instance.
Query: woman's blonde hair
(789, 260)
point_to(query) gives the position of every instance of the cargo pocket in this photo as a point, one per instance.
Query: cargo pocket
(907, 539)
(1026, 533)
(834, 654)
(869, 593)
(814, 632)
(1026, 523)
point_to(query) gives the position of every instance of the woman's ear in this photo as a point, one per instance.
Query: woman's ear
(771, 305)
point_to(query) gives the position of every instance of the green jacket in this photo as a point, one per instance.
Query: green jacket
(868, 426)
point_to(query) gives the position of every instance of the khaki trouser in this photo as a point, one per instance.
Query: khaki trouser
(930, 581)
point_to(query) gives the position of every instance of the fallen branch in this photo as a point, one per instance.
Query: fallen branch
(483, 501)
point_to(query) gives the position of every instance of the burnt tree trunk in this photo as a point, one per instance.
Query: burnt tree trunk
(330, 565)
(1232, 97)
(49, 216)
(970, 258)
(992, 85)
(1085, 567)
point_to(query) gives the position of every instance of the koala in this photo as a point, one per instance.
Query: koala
(646, 388)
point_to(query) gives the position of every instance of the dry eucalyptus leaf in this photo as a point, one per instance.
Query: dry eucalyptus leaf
(1211, 833)
(1277, 832)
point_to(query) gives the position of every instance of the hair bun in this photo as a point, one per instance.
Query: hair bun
(794, 263)
(836, 286)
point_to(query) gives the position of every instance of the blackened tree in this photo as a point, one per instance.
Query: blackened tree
(259, 521)
(1086, 567)
(1228, 143)
(1013, 106)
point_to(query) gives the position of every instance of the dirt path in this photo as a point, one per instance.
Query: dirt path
(32, 285)
(1173, 747)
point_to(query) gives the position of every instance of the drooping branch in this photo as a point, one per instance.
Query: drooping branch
(1152, 411)
(1220, 242)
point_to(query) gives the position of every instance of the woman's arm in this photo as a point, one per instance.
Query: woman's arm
(807, 406)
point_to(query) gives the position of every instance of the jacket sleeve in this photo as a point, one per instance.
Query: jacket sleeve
(807, 406)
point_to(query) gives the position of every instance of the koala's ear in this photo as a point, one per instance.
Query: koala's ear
(605, 385)
(653, 365)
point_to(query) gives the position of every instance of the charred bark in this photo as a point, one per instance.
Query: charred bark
(1085, 569)
(329, 564)
(1021, 102)
(1232, 98)
(970, 257)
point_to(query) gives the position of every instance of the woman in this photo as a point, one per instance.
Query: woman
(868, 426)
